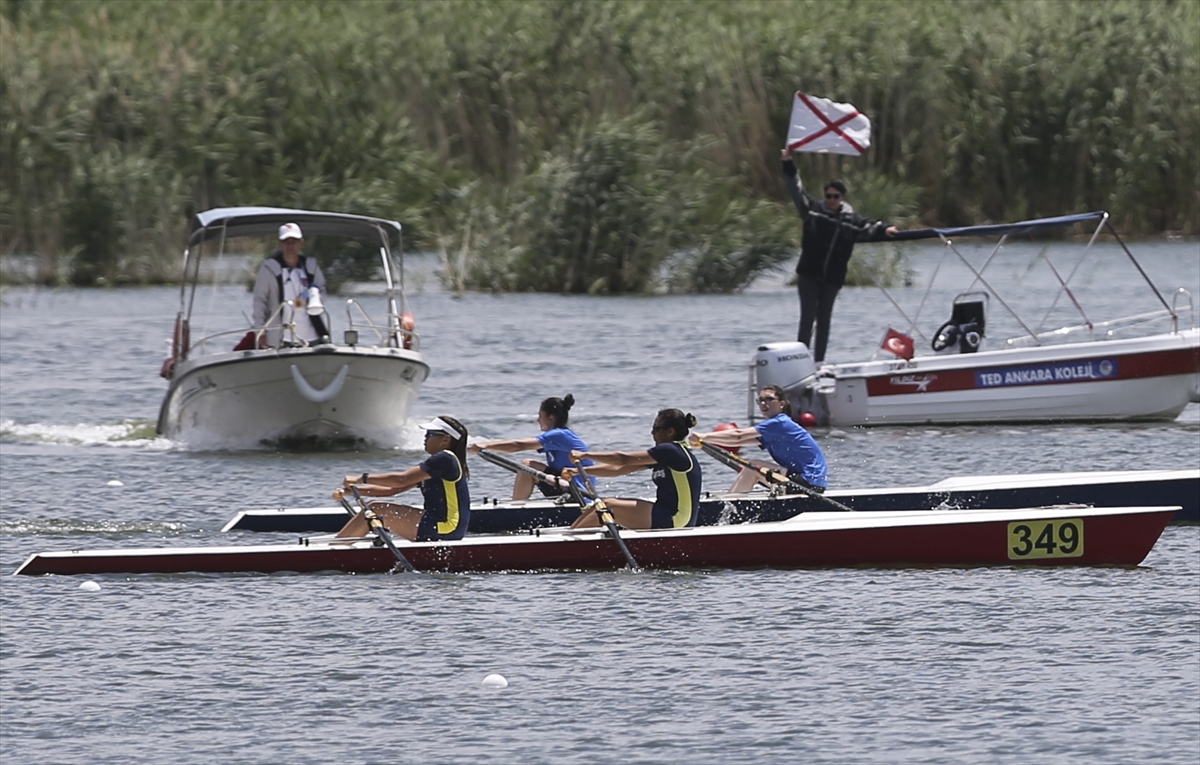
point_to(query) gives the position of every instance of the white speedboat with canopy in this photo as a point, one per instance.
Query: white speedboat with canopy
(229, 391)
(1140, 367)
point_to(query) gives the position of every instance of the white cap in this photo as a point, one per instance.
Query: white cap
(290, 231)
(437, 423)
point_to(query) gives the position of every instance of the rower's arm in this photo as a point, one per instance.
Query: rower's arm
(508, 447)
(738, 437)
(386, 484)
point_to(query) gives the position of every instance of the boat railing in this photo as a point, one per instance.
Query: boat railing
(1102, 330)
(396, 335)
(274, 323)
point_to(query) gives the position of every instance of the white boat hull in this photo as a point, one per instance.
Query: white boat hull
(1149, 378)
(299, 396)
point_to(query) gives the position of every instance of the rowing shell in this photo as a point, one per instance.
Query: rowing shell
(1054, 536)
(1119, 488)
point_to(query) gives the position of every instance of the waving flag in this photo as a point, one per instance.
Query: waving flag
(822, 126)
(899, 344)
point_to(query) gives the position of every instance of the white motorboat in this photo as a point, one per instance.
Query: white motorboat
(1143, 367)
(228, 390)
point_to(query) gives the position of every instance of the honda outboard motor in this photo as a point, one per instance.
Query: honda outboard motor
(782, 364)
(968, 317)
(791, 367)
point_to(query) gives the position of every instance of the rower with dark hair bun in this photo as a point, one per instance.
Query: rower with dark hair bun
(442, 479)
(556, 440)
(676, 475)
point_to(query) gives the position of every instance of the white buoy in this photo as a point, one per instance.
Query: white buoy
(93, 587)
(495, 681)
(114, 482)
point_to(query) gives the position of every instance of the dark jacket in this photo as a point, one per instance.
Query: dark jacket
(829, 237)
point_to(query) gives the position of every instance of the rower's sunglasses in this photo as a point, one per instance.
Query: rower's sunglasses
(766, 400)
(429, 433)
(833, 196)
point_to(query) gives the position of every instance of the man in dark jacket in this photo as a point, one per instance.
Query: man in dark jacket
(831, 227)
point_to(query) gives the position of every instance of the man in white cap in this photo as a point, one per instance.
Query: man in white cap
(286, 278)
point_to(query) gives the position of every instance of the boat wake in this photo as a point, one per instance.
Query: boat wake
(64, 526)
(138, 434)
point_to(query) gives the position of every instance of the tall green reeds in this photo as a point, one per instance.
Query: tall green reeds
(581, 146)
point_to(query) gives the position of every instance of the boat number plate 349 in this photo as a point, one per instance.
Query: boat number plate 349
(1059, 538)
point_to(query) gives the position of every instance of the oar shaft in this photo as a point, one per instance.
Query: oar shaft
(738, 463)
(605, 516)
(517, 466)
(375, 524)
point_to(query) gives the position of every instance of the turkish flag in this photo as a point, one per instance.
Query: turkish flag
(824, 127)
(898, 343)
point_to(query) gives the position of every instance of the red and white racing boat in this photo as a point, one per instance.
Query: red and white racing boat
(1110, 370)
(1051, 536)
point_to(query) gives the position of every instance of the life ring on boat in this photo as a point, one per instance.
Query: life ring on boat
(407, 324)
(946, 336)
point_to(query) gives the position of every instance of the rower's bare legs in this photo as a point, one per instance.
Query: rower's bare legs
(746, 478)
(630, 513)
(524, 483)
(398, 519)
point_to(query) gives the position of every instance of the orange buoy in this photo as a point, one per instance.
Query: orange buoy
(728, 426)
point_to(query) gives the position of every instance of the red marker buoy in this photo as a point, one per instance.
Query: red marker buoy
(808, 419)
(728, 426)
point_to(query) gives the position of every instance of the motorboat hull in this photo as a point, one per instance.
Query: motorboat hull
(1149, 378)
(318, 396)
(1099, 489)
(1057, 536)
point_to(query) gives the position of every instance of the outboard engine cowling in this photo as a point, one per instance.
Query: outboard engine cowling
(782, 364)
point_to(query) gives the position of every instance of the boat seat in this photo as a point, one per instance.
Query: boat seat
(965, 329)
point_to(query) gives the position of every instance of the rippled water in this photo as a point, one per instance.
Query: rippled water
(938, 666)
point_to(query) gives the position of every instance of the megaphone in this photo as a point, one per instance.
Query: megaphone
(315, 307)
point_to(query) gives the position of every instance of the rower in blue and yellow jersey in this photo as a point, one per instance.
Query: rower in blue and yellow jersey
(443, 481)
(676, 476)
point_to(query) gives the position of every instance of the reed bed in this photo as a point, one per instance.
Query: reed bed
(605, 147)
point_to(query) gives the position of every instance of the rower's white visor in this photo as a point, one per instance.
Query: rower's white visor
(437, 423)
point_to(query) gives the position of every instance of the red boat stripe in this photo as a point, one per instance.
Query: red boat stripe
(1180, 361)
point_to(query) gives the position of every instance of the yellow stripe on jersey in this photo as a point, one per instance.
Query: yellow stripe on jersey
(683, 490)
(452, 512)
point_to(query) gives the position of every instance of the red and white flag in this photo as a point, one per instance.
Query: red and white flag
(822, 126)
(899, 344)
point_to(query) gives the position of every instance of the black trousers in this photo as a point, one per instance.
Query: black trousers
(816, 303)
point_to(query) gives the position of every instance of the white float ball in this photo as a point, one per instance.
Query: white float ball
(495, 681)
(114, 482)
(90, 587)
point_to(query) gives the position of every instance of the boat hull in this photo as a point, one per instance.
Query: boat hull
(1094, 536)
(1100, 489)
(1149, 378)
(327, 395)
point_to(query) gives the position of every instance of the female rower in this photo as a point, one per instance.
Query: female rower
(676, 475)
(443, 481)
(556, 440)
(788, 444)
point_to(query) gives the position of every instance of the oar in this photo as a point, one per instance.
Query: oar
(517, 466)
(737, 463)
(604, 515)
(375, 524)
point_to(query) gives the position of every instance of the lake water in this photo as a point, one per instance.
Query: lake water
(865, 666)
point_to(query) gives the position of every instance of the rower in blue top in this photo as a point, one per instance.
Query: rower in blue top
(556, 441)
(790, 445)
